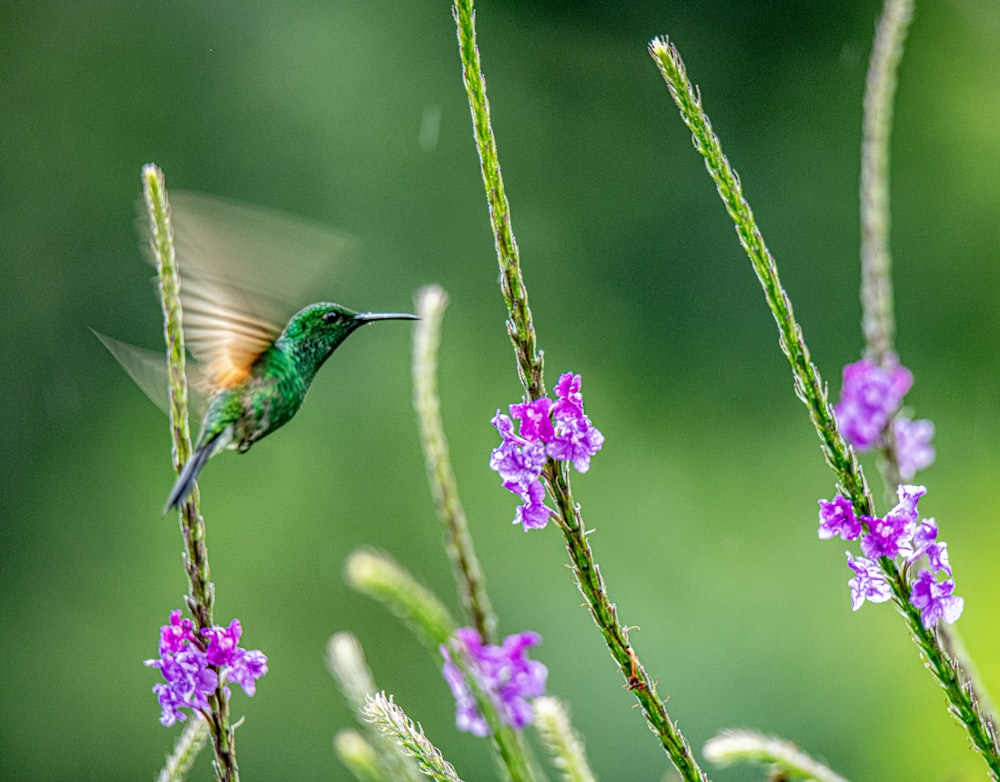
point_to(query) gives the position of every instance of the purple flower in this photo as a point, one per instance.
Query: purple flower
(468, 718)
(516, 459)
(247, 666)
(892, 536)
(868, 583)
(534, 418)
(914, 451)
(222, 643)
(837, 518)
(885, 536)
(934, 599)
(925, 543)
(505, 426)
(900, 534)
(568, 391)
(176, 635)
(909, 496)
(189, 680)
(191, 692)
(558, 430)
(533, 513)
(868, 398)
(193, 668)
(503, 673)
(576, 438)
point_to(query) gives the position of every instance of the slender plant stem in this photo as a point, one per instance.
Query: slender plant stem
(520, 326)
(605, 614)
(521, 330)
(381, 578)
(878, 320)
(201, 595)
(877, 314)
(431, 304)
(359, 757)
(809, 387)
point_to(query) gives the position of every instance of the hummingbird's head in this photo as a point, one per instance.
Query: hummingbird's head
(314, 332)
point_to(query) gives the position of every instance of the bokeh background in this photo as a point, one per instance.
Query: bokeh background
(704, 498)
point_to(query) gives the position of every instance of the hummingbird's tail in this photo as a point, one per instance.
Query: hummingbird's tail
(190, 471)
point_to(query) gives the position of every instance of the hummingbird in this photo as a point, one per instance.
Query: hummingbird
(253, 373)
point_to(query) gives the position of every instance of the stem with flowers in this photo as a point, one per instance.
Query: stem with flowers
(197, 658)
(899, 457)
(521, 330)
(950, 674)
(201, 597)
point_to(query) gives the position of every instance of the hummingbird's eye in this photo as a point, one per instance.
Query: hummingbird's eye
(332, 317)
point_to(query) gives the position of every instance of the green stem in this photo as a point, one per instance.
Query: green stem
(431, 303)
(520, 326)
(605, 615)
(877, 320)
(809, 387)
(521, 330)
(877, 316)
(201, 595)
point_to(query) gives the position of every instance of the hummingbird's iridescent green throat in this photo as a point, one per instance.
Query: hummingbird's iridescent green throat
(253, 400)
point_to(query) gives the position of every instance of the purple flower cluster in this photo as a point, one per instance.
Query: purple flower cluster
(504, 673)
(194, 667)
(549, 429)
(900, 534)
(869, 398)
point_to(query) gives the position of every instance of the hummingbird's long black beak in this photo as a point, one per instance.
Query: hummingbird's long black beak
(367, 317)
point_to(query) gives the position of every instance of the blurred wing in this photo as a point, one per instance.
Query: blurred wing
(244, 270)
(221, 328)
(148, 368)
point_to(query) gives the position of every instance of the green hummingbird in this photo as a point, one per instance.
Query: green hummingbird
(253, 373)
(251, 401)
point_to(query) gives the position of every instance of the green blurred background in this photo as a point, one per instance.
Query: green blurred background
(704, 498)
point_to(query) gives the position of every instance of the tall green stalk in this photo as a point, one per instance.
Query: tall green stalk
(878, 318)
(431, 304)
(201, 595)
(521, 330)
(519, 324)
(878, 321)
(950, 674)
